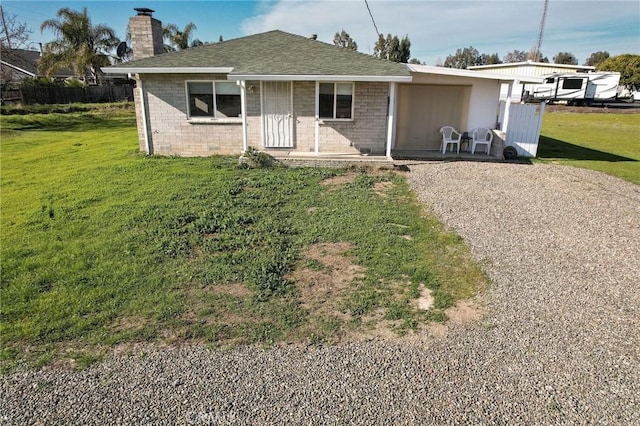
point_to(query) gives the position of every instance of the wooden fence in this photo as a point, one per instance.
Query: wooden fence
(44, 95)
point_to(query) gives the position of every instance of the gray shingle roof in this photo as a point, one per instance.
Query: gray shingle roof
(274, 53)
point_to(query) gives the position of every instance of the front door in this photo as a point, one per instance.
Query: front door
(277, 119)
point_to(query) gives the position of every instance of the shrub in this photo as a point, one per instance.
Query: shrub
(255, 159)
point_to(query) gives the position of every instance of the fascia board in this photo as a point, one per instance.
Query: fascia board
(453, 72)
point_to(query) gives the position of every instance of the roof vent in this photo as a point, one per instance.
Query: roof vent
(313, 36)
(144, 11)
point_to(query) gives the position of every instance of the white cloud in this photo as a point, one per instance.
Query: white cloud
(437, 28)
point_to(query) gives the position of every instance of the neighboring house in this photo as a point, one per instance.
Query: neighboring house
(528, 69)
(292, 95)
(17, 64)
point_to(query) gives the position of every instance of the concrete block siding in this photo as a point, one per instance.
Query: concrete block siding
(368, 130)
(172, 133)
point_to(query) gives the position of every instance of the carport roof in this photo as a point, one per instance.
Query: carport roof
(454, 72)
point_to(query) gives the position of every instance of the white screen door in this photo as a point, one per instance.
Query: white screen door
(277, 120)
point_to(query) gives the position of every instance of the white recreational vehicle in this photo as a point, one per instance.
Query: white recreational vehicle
(578, 88)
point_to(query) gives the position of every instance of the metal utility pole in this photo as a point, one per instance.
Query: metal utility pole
(536, 49)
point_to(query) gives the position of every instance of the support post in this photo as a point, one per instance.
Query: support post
(243, 110)
(317, 120)
(145, 123)
(391, 119)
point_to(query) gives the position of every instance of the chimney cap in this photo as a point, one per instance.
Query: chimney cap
(143, 11)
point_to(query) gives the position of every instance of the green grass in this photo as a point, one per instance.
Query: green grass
(605, 142)
(101, 246)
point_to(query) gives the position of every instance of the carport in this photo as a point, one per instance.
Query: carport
(439, 96)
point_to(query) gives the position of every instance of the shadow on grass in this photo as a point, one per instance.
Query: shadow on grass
(67, 122)
(554, 148)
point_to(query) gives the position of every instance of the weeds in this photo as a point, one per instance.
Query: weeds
(103, 246)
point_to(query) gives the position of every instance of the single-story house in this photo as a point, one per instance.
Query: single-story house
(528, 69)
(293, 95)
(18, 64)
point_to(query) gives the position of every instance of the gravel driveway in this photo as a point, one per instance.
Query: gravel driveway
(559, 344)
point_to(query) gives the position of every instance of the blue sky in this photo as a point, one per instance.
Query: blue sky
(436, 28)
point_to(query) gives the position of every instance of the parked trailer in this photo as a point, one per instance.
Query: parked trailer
(578, 88)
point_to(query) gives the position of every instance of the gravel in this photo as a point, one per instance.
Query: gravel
(559, 342)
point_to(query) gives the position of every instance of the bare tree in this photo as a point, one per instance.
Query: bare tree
(15, 34)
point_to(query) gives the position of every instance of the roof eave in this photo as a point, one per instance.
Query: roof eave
(321, 77)
(22, 70)
(167, 70)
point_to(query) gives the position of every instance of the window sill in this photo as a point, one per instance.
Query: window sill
(233, 120)
(335, 120)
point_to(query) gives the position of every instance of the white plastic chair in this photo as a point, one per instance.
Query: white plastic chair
(449, 137)
(481, 136)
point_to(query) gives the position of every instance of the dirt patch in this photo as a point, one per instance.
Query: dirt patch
(231, 289)
(322, 288)
(425, 301)
(335, 181)
(382, 188)
(464, 314)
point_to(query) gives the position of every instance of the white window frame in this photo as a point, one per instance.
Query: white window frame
(213, 117)
(335, 99)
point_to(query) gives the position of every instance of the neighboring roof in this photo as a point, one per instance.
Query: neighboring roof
(21, 60)
(271, 55)
(26, 62)
(455, 72)
(533, 64)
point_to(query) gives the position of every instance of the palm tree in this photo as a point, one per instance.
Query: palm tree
(80, 46)
(178, 39)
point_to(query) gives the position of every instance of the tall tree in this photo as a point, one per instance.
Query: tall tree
(392, 48)
(80, 45)
(176, 38)
(463, 58)
(405, 49)
(597, 58)
(515, 56)
(565, 58)
(629, 68)
(380, 49)
(343, 39)
(490, 59)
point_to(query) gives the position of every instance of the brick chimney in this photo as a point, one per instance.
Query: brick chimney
(146, 34)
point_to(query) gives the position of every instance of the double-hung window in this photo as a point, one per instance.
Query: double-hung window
(214, 99)
(335, 100)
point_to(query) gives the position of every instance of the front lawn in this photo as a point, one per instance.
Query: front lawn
(606, 142)
(102, 247)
